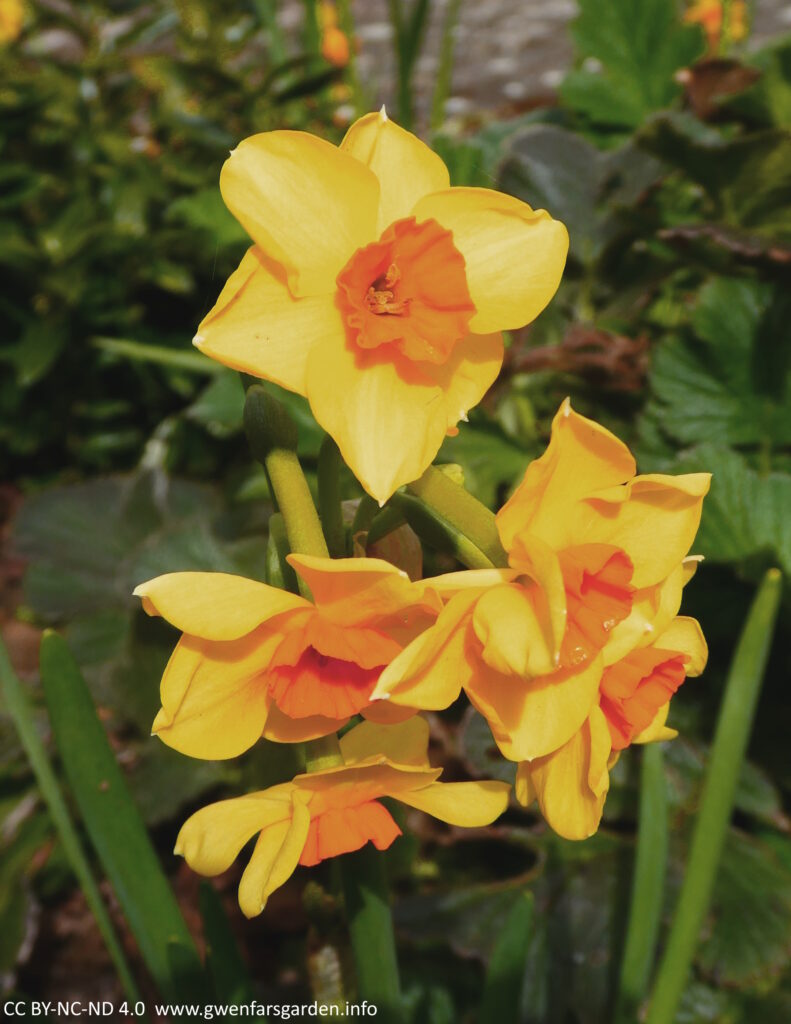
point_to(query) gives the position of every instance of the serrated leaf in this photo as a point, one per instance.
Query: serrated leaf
(750, 934)
(713, 388)
(640, 44)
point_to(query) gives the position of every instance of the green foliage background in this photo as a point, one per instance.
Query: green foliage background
(672, 326)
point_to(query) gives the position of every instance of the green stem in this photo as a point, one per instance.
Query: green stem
(330, 510)
(273, 441)
(647, 886)
(434, 530)
(17, 704)
(389, 519)
(371, 931)
(364, 516)
(465, 513)
(325, 752)
(727, 753)
(278, 572)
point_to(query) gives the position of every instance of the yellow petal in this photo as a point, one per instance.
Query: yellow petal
(258, 327)
(582, 457)
(406, 168)
(653, 519)
(355, 591)
(571, 783)
(653, 609)
(537, 559)
(281, 729)
(685, 635)
(451, 583)
(364, 780)
(215, 605)
(307, 205)
(214, 704)
(468, 374)
(382, 400)
(514, 255)
(384, 712)
(657, 731)
(366, 407)
(430, 672)
(274, 859)
(515, 638)
(469, 804)
(529, 719)
(405, 743)
(211, 839)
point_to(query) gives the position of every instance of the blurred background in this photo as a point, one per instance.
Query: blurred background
(660, 133)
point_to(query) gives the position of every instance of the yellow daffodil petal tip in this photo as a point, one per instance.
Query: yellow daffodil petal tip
(383, 114)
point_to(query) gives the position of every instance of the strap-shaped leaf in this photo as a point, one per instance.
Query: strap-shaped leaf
(502, 993)
(114, 825)
(17, 704)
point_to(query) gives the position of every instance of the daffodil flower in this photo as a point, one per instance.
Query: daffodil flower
(333, 811)
(254, 660)
(594, 553)
(571, 783)
(375, 289)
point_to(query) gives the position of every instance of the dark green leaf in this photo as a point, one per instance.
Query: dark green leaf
(114, 824)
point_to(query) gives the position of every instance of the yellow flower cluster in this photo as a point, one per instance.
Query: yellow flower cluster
(380, 292)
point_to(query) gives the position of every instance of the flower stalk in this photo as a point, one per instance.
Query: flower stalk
(727, 754)
(470, 517)
(273, 441)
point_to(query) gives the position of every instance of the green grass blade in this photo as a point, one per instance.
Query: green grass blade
(727, 753)
(176, 359)
(445, 69)
(230, 980)
(17, 705)
(371, 931)
(115, 826)
(645, 911)
(502, 993)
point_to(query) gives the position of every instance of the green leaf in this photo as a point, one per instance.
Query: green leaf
(745, 515)
(90, 544)
(714, 388)
(640, 44)
(542, 167)
(114, 824)
(747, 178)
(734, 725)
(229, 977)
(648, 883)
(205, 212)
(17, 704)
(750, 912)
(219, 408)
(505, 977)
(768, 101)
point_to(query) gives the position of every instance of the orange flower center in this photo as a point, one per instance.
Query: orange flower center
(407, 292)
(598, 597)
(343, 829)
(635, 688)
(317, 684)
